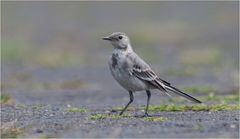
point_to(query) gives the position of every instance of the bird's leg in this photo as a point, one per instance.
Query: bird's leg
(148, 99)
(130, 101)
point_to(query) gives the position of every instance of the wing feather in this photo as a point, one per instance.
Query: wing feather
(142, 71)
(149, 76)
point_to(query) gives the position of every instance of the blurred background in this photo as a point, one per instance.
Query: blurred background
(52, 52)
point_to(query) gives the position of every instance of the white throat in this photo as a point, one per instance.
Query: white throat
(126, 50)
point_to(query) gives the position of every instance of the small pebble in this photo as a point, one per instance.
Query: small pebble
(107, 111)
(232, 126)
(39, 131)
(113, 110)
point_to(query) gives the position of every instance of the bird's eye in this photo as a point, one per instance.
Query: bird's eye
(120, 37)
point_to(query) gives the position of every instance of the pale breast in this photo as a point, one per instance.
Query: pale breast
(120, 71)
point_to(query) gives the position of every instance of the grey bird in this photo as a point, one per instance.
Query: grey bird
(133, 74)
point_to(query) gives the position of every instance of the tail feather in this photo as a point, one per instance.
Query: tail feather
(177, 91)
(161, 87)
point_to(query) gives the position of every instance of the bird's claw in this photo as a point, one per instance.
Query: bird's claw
(120, 113)
(146, 115)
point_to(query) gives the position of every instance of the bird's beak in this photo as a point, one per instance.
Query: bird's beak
(107, 38)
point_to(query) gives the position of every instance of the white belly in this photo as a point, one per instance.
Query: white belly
(123, 77)
(128, 82)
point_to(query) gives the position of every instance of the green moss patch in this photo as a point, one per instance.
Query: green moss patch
(40, 106)
(155, 119)
(102, 117)
(199, 107)
(75, 109)
(5, 99)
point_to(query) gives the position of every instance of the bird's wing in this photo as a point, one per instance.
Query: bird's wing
(142, 70)
(149, 76)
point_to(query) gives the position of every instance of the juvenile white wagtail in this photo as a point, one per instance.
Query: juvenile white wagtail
(133, 74)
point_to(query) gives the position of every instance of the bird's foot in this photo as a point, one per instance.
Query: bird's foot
(120, 113)
(146, 115)
(142, 116)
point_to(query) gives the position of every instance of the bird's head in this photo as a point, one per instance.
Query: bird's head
(119, 40)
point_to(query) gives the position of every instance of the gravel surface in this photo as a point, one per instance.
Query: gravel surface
(42, 111)
(52, 121)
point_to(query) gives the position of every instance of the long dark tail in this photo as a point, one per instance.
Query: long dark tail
(177, 91)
